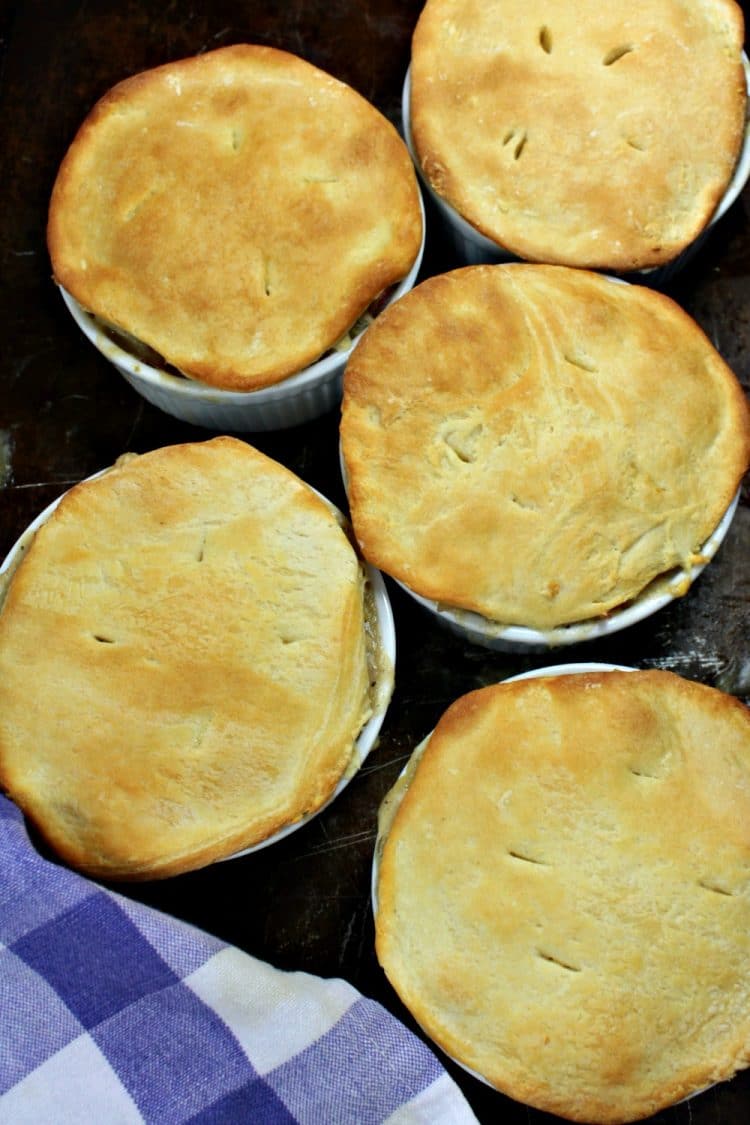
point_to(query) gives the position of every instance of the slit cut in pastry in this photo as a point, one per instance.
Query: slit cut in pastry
(563, 890)
(235, 213)
(537, 444)
(185, 661)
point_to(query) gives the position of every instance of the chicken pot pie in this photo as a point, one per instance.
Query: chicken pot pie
(563, 890)
(233, 214)
(537, 444)
(186, 661)
(589, 134)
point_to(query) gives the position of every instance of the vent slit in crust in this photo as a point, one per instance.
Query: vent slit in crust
(527, 858)
(557, 961)
(616, 54)
(545, 40)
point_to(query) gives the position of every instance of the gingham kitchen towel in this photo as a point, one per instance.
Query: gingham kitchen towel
(113, 1012)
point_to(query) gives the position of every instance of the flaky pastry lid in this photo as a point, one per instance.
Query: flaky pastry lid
(563, 899)
(588, 134)
(536, 443)
(236, 212)
(183, 661)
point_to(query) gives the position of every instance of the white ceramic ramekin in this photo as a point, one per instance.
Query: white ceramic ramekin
(300, 398)
(385, 662)
(516, 638)
(474, 248)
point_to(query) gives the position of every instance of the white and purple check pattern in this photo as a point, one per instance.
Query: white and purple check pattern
(112, 1012)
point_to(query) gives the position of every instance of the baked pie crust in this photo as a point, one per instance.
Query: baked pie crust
(537, 444)
(563, 900)
(235, 212)
(588, 134)
(183, 661)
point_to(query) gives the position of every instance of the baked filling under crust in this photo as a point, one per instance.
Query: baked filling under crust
(140, 351)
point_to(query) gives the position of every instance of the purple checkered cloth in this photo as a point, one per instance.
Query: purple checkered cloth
(113, 1012)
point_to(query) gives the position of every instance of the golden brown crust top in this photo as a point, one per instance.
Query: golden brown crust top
(183, 665)
(564, 894)
(537, 443)
(589, 134)
(236, 212)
